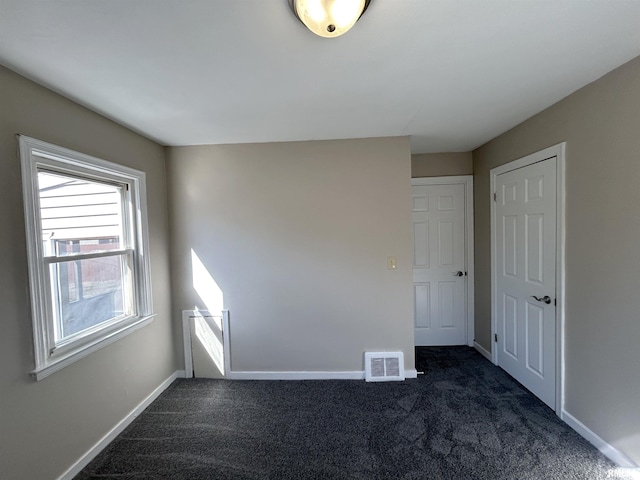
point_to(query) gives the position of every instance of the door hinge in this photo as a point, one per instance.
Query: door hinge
(495, 197)
(495, 337)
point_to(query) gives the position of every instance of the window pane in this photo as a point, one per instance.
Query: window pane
(85, 245)
(79, 215)
(89, 292)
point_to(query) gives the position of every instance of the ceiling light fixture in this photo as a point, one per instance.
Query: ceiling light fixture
(329, 18)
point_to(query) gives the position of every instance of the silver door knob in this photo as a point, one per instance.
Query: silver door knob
(458, 274)
(546, 299)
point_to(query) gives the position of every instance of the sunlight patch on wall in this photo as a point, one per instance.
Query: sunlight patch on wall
(206, 287)
(207, 344)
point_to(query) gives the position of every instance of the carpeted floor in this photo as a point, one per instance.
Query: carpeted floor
(464, 419)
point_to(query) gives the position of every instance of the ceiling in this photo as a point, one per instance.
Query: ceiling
(452, 74)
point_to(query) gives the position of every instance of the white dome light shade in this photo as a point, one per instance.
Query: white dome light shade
(329, 18)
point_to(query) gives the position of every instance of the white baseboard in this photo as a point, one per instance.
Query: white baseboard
(607, 450)
(248, 375)
(302, 375)
(119, 428)
(482, 351)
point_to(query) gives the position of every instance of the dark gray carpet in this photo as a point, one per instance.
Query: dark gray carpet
(463, 419)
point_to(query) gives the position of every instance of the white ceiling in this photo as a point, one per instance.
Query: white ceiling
(452, 74)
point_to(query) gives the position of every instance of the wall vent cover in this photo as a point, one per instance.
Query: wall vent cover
(383, 366)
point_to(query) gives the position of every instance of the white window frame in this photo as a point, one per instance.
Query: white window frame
(37, 155)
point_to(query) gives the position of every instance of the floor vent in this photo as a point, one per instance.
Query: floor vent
(383, 366)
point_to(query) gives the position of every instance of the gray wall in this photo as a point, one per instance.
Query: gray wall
(601, 125)
(441, 164)
(46, 426)
(296, 235)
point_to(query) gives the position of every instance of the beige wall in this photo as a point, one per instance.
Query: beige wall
(441, 164)
(296, 235)
(46, 426)
(601, 125)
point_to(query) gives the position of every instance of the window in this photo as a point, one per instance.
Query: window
(88, 249)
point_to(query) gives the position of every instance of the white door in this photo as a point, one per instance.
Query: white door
(439, 264)
(526, 276)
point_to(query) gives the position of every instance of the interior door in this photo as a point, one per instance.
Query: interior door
(439, 264)
(526, 276)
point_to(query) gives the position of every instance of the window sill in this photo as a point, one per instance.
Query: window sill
(59, 363)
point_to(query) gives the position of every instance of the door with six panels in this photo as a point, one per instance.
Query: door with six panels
(439, 264)
(525, 214)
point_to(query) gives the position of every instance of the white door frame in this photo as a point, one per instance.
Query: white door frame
(467, 181)
(557, 151)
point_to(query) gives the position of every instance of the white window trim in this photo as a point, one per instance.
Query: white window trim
(35, 154)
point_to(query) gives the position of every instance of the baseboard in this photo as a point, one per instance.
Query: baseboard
(248, 375)
(120, 426)
(302, 375)
(482, 351)
(606, 449)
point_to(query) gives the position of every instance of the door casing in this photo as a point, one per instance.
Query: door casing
(557, 151)
(467, 180)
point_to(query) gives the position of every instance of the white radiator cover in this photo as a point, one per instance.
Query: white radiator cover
(383, 366)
